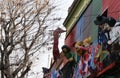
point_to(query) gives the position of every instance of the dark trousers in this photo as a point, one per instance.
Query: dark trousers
(67, 70)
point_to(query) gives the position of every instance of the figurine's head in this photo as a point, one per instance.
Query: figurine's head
(87, 41)
(79, 51)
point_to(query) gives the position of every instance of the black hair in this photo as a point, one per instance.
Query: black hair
(66, 46)
(111, 21)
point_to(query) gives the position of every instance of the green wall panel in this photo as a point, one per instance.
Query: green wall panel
(96, 10)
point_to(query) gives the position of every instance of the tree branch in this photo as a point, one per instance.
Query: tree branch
(26, 70)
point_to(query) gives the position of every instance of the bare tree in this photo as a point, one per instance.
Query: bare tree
(23, 27)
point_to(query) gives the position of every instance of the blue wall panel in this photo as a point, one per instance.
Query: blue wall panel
(79, 29)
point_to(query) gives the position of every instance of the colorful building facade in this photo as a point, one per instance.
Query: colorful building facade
(80, 24)
(80, 20)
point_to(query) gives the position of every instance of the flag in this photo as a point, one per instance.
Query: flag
(83, 66)
(76, 73)
(91, 61)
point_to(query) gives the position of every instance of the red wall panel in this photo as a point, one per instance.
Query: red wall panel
(113, 7)
(70, 39)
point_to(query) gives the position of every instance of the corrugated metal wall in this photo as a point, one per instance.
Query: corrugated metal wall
(96, 10)
(79, 29)
(87, 21)
(85, 26)
(113, 7)
(71, 38)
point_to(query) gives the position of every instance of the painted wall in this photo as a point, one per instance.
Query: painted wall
(71, 38)
(113, 7)
(96, 10)
(85, 26)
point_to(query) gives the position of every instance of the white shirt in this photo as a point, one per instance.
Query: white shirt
(114, 34)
